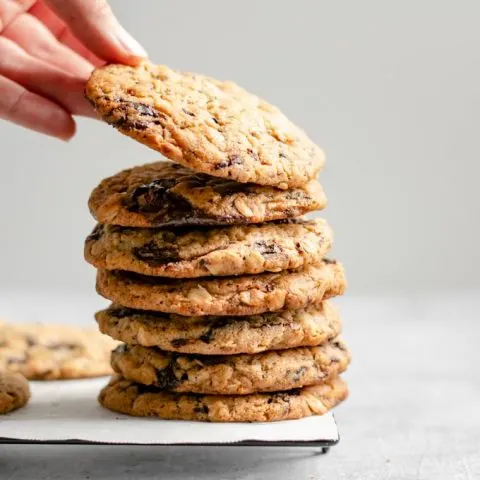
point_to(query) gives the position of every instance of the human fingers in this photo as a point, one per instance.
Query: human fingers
(18, 105)
(62, 32)
(93, 22)
(43, 79)
(37, 40)
(10, 9)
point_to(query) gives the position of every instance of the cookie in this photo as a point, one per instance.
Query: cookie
(222, 335)
(209, 126)
(244, 295)
(49, 352)
(124, 396)
(200, 252)
(14, 392)
(231, 374)
(166, 194)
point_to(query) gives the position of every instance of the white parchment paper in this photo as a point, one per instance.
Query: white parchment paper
(68, 410)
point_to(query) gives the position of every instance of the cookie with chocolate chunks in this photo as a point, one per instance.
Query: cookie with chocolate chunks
(242, 295)
(222, 335)
(231, 374)
(203, 252)
(207, 125)
(125, 396)
(162, 193)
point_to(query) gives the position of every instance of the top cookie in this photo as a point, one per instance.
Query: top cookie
(164, 193)
(210, 126)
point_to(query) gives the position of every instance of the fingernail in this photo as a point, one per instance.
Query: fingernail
(130, 44)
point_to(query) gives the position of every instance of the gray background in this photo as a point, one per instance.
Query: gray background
(389, 89)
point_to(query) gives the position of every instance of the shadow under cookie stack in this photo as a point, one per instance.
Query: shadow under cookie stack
(219, 285)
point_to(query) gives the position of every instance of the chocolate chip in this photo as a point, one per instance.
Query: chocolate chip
(166, 378)
(178, 342)
(201, 409)
(215, 120)
(299, 373)
(339, 345)
(233, 159)
(161, 205)
(154, 255)
(219, 323)
(188, 113)
(96, 233)
(328, 261)
(265, 249)
(294, 194)
(207, 338)
(132, 115)
(268, 287)
(151, 197)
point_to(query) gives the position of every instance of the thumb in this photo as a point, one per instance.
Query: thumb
(95, 25)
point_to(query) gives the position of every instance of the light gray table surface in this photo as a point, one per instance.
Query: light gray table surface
(413, 413)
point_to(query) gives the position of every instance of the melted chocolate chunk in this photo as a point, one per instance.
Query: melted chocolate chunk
(163, 207)
(154, 255)
(207, 338)
(267, 249)
(178, 342)
(166, 379)
(153, 197)
(133, 115)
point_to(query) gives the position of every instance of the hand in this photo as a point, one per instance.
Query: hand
(48, 49)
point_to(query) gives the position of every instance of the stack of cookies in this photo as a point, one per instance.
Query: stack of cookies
(219, 285)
